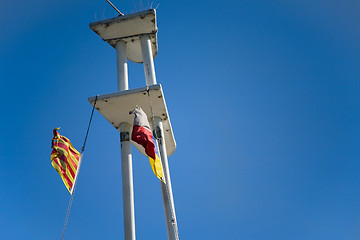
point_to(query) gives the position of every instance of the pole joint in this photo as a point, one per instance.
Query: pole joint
(124, 136)
(157, 133)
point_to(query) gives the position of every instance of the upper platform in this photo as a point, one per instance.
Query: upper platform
(129, 28)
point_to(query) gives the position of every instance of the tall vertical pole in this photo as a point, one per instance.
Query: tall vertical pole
(122, 69)
(127, 182)
(148, 60)
(126, 157)
(166, 189)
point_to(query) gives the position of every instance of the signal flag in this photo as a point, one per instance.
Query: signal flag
(142, 135)
(65, 159)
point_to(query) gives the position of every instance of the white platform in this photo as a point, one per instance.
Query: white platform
(115, 108)
(129, 28)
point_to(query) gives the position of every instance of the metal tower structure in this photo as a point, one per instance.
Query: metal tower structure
(134, 36)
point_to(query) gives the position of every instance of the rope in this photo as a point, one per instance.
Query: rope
(77, 173)
(87, 132)
(161, 138)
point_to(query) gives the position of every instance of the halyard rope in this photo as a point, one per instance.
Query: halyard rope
(77, 172)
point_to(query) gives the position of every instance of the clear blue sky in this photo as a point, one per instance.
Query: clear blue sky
(264, 100)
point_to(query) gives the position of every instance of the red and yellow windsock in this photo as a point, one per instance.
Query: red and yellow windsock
(65, 159)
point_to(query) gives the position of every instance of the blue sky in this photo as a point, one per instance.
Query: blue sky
(264, 102)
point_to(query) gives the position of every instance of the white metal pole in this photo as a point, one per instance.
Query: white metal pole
(166, 189)
(126, 157)
(122, 73)
(127, 182)
(148, 60)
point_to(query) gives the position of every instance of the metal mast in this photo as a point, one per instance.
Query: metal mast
(126, 157)
(134, 38)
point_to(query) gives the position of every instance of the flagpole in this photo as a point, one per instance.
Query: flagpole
(127, 182)
(166, 189)
(148, 60)
(126, 157)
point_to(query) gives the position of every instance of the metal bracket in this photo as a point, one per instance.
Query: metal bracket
(157, 133)
(124, 136)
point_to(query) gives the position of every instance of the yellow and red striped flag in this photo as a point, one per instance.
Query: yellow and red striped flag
(65, 159)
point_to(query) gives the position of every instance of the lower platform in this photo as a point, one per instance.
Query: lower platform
(115, 107)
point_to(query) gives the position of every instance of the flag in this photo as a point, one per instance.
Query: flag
(142, 135)
(65, 159)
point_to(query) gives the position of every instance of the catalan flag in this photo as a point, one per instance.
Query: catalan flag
(65, 159)
(142, 135)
